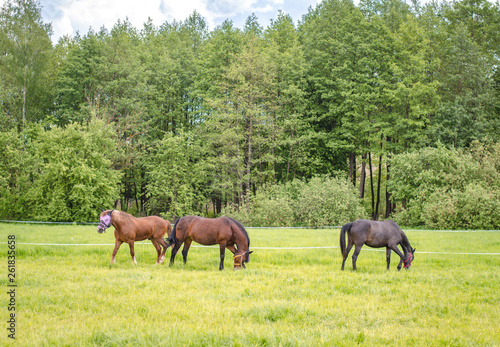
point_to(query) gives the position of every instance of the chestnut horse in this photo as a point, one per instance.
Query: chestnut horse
(376, 234)
(224, 231)
(129, 229)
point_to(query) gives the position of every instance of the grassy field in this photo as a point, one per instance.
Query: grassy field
(72, 296)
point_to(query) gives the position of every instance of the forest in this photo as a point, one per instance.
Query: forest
(381, 109)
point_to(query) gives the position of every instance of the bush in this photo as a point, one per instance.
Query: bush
(320, 202)
(448, 188)
(272, 207)
(474, 208)
(327, 201)
(61, 174)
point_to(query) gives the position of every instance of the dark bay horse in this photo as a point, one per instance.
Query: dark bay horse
(376, 234)
(129, 229)
(224, 231)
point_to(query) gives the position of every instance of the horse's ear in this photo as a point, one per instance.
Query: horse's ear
(102, 210)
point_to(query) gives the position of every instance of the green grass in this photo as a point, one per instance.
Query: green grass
(71, 295)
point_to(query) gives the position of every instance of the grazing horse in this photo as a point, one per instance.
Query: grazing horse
(224, 231)
(130, 229)
(376, 234)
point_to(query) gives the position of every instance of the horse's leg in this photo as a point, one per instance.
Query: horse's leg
(132, 253)
(185, 249)
(347, 250)
(222, 254)
(165, 246)
(158, 249)
(118, 243)
(388, 256)
(357, 249)
(398, 252)
(232, 249)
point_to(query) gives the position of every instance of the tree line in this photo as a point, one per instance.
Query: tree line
(178, 119)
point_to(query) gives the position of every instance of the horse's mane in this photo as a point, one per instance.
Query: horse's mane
(121, 216)
(406, 242)
(242, 228)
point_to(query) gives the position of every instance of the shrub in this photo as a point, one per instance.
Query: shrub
(74, 178)
(272, 207)
(321, 201)
(327, 201)
(61, 174)
(480, 207)
(446, 188)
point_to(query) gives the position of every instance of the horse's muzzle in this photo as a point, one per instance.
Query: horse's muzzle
(100, 230)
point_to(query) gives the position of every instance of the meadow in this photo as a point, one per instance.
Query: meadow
(70, 295)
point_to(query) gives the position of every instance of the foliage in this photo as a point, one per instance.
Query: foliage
(25, 81)
(475, 207)
(320, 202)
(326, 201)
(175, 176)
(18, 169)
(448, 188)
(59, 174)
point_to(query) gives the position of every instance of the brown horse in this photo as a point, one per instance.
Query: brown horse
(224, 231)
(376, 234)
(129, 229)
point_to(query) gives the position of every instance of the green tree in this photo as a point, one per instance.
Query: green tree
(247, 108)
(481, 18)
(291, 131)
(176, 177)
(26, 50)
(18, 169)
(468, 110)
(329, 36)
(75, 177)
(218, 54)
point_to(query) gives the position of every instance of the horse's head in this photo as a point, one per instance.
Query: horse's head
(411, 256)
(104, 221)
(239, 259)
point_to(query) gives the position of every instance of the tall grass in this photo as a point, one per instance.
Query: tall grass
(71, 295)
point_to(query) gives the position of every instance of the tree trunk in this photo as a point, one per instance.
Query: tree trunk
(371, 183)
(218, 205)
(388, 204)
(25, 86)
(249, 163)
(362, 177)
(135, 198)
(143, 197)
(378, 186)
(352, 168)
(289, 159)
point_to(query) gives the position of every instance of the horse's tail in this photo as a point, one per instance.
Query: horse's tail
(172, 238)
(345, 228)
(169, 229)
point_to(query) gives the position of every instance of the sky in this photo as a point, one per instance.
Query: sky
(69, 16)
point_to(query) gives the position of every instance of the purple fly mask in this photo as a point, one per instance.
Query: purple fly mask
(105, 222)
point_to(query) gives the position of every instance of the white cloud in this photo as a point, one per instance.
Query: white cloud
(69, 16)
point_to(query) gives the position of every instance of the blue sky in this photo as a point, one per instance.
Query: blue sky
(69, 16)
